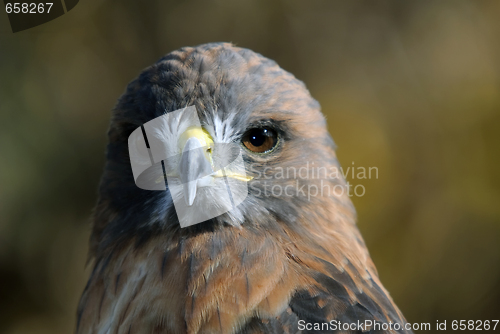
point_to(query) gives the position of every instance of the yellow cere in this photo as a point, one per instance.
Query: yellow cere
(197, 132)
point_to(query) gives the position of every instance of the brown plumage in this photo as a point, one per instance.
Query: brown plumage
(275, 260)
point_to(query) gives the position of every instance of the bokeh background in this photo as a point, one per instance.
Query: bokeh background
(409, 87)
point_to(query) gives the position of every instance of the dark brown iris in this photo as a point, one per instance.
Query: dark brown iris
(260, 140)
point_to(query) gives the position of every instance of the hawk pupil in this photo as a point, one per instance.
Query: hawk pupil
(258, 137)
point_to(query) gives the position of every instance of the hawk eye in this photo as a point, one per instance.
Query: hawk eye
(260, 140)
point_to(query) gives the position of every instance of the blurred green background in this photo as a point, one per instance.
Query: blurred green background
(411, 87)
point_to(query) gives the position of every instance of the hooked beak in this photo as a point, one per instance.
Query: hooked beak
(196, 167)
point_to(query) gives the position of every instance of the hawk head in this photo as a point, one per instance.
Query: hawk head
(242, 99)
(286, 251)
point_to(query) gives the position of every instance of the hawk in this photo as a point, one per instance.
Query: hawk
(287, 259)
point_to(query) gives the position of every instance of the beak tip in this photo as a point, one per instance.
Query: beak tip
(190, 190)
